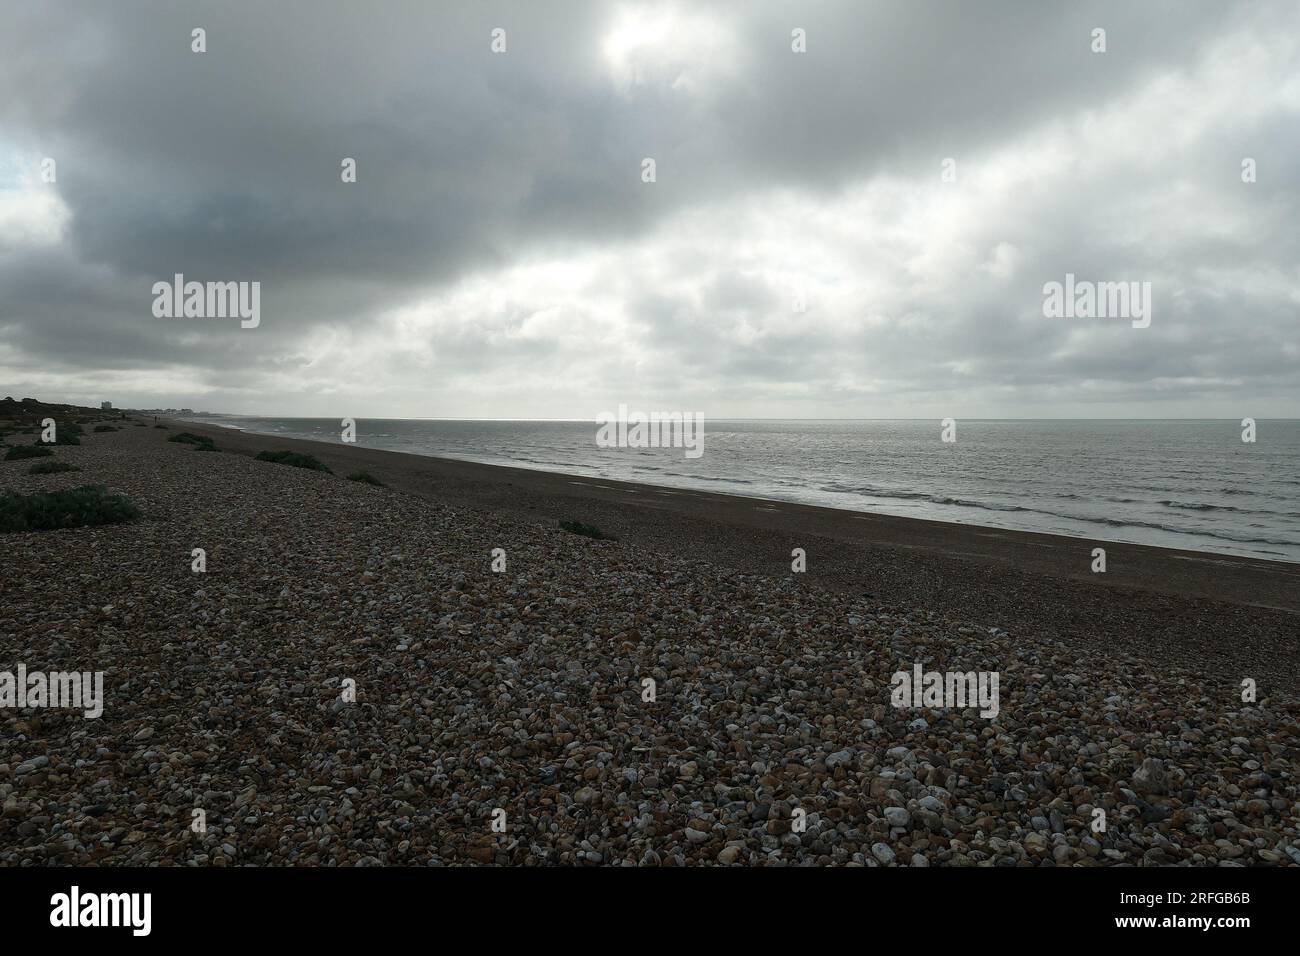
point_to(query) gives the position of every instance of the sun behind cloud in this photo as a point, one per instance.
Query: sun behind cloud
(669, 45)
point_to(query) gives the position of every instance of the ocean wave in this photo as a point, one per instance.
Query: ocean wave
(730, 481)
(986, 505)
(1194, 532)
(1198, 506)
(1083, 519)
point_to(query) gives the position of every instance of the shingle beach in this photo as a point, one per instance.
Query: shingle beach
(525, 691)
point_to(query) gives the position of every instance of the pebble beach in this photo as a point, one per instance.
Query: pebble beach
(501, 717)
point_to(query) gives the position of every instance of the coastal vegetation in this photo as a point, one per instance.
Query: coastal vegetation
(586, 530)
(51, 468)
(189, 438)
(70, 508)
(294, 459)
(21, 452)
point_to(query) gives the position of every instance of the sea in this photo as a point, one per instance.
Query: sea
(1191, 484)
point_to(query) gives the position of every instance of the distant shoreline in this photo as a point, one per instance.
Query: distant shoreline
(1198, 607)
(961, 510)
(719, 418)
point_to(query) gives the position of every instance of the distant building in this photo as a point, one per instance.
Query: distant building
(106, 406)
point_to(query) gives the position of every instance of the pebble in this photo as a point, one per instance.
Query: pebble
(897, 816)
(883, 853)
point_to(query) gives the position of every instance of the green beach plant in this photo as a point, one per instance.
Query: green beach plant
(295, 460)
(189, 438)
(21, 452)
(51, 468)
(72, 508)
(586, 530)
(68, 433)
(365, 477)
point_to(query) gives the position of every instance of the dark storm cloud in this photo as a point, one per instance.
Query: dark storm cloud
(225, 165)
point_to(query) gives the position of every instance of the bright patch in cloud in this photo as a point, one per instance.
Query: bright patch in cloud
(670, 45)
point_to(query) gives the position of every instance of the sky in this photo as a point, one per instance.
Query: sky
(855, 207)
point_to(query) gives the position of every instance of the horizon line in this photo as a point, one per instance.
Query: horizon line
(741, 418)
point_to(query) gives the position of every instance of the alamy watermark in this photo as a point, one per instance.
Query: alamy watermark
(75, 908)
(950, 689)
(652, 430)
(80, 689)
(1098, 300)
(209, 300)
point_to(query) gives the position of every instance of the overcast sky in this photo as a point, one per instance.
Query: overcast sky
(500, 255)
